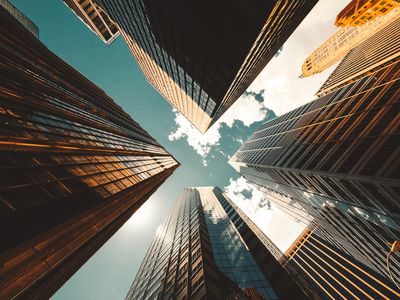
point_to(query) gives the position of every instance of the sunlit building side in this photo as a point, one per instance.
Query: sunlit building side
(360, 12)
(380, 48)
(337, 157)
(332, 272)
(74, 166)
(208, 249)
(348, 37)
(202, 55)
(95, 19)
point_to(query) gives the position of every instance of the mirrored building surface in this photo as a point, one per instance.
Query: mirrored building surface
(208, 249)
(73, 166)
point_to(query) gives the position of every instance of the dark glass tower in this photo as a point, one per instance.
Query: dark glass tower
(338, 157)
(206, 250)
(333, 273)
(73, 166)
(202, 55)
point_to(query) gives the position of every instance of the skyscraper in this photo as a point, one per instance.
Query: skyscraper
(360, 12)
(337, 157)
(206, 250)
(378, 49)
(332, 272)
(95, 19)
(348, 37)
(201, 56)
(73, 166)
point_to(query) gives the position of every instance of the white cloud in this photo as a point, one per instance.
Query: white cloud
(246, 109)
(201, 143)
(277, 225)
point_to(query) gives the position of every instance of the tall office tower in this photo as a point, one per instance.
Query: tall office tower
(360, 12)
(206, 250)
(95, 19)
(348, 37)
(380, 48)
(73, 166)
(332, 272)
(337, 157)
(201, 56)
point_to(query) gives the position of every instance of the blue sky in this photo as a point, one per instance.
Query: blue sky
(109, 273)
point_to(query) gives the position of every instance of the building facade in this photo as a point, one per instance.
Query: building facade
(348, 37)
(332, 272)
(73, 166)
(360, 12)
(197, 55)
(95, 19)
(337, 158)
(380, 48)
(205, 250)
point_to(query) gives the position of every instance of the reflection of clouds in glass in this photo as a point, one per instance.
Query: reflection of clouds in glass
(277, 225)
(229, 250)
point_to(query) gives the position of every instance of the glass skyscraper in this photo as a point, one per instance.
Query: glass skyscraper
(73, 165)
(206, 250)
(337, 157)
(201, 56)
(333, 273)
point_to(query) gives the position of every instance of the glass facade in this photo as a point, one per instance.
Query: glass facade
(380, 47)
(201, 252)
(73, 166)
(333, 273)
(337, 157)
(202, 68)
(343, 41)
(28, 24)
(230, 253)
(95, 19)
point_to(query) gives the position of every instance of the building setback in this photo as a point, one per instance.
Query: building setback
(338, 156)
(332, 272)
(205, 250)
(73, 166)
(202, 55)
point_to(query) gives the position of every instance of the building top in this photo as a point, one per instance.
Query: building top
(17, 14)
(360, 12)
(95, 19)
(381, 47)
(338, 45)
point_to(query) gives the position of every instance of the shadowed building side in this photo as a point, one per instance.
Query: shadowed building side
(73, 166)
(201, 56)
